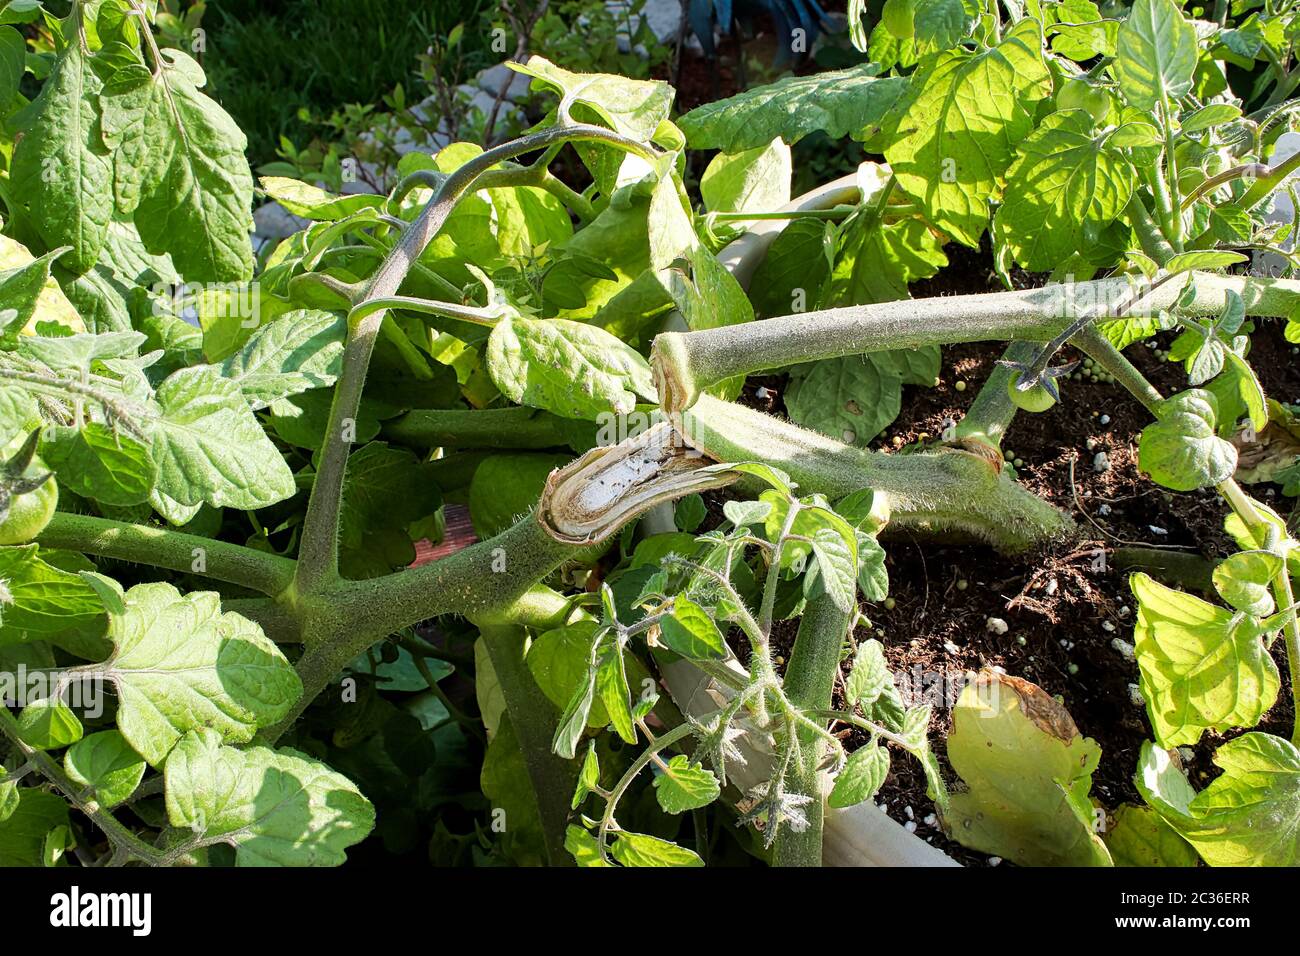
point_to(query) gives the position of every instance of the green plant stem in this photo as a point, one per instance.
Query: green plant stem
(1264, 185)
(534, 718)
(122, 839)
(1191, 572)
(1283, 593)
(1174, 230)
(164, 548)
(1152, 240)
(1159, 186)
(1249, 170)
(1099, 348)
(774, 571)
(687, 363)
(661, 743)
(318, 553)
(808, 684)
(948, 491)
(448, 310)
(481, 582)
(992, 412)
(833, 213)
(576, 201)
(515, 427)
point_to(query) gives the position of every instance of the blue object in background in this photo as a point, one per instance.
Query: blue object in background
(788, 15)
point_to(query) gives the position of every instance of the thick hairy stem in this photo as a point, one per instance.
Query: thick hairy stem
(516, 427)
(949, 490)
(482, 579)
(809, 683)
(280, 622)
(686, 363)
(162, 548)
(533, 718)
(583, 503)
(318, 564)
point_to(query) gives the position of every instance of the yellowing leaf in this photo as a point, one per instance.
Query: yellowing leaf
(1028, 771)
(1203, 668)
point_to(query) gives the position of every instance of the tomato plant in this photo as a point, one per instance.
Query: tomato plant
(245, 450)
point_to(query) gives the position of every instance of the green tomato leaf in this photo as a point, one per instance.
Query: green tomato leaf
(794, 275)
(957, 132)
(877, 263)
(837, 102)
(312, 202)
(48, 725)
(92, 461)
(1248, 816)
(942, 24)
(296, 352)
(583, 847)
(745, 513)
(752, 180)
(1141, 837)
(9, 796)
(62, 173)
(613, 690)
(690, 631)
(1028, 771)
(1156, 54)
(1203, 668)
(852, 399)
(106, 762)
(704, 290)
(836, 549)
(1064, 188)
(40, 600)
(180, 663)
(634, 108)
(23, 832)
(1238, 393)
(568, 368)
(1243, 581)
(869, 677)
(277, 807)
(861, 777)
(196, 190)
(386, 488)
(683, 785)
(638, 849)
(873, 576)
(507, 486)
(22, 289)
(13, 64)
(210, 447)
(1205, 259)
(1181, 450)
(588, 777)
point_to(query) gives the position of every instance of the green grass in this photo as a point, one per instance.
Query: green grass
(266, 59)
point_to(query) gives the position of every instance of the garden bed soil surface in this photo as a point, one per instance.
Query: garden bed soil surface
(1066, 605)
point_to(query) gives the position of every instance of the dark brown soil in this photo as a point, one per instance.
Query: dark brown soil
(1063, 606)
